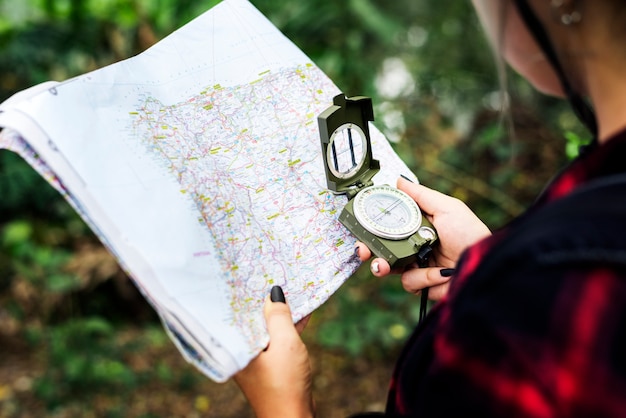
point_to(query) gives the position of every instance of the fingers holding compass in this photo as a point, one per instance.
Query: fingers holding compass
(413, 279)
(379, 267)
(435, 279)
(457, 226)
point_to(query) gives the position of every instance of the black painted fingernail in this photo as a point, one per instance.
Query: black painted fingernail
(356, 250)
(406, 178)
(277, 295)
(446, 272)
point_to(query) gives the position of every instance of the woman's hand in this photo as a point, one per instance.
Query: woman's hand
(278, 382)
(457, 227)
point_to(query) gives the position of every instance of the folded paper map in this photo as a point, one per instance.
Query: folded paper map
(198, 164)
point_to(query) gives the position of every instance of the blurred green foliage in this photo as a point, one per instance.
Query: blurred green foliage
(433, 80)
(83, 357)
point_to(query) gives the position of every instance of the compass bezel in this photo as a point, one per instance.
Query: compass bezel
(401, 231)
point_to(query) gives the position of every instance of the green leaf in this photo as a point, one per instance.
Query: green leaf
(573, 144)
(62, 283)
(16, 232)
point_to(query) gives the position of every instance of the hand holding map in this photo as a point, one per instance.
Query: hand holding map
(198, 165)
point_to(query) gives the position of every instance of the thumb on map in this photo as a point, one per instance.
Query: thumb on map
(278, 315)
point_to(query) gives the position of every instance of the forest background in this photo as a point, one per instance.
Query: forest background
(76, 338)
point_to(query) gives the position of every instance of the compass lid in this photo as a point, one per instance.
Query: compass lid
(346, 145)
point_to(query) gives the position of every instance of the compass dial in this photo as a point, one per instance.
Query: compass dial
(387, 212)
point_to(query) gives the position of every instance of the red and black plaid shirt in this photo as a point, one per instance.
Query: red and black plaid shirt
(537, 341)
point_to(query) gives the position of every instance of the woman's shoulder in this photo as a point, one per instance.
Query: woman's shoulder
(584, 227)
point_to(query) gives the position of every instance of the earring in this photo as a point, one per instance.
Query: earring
(567, 17)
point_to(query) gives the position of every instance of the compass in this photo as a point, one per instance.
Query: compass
(383, 217)
(387, 212)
